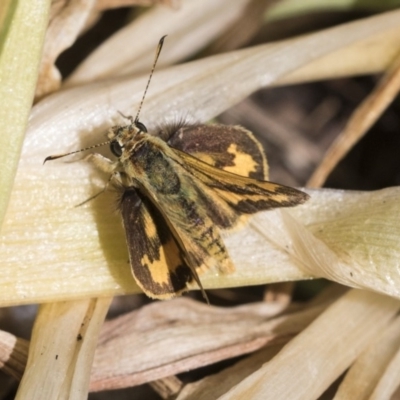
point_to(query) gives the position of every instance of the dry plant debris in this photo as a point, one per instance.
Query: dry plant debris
(158, 340)
(167, 339)
(365, 116)
(67, 20)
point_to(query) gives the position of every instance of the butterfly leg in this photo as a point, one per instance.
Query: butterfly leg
(105, 188)
(102, 163)
(106, 165)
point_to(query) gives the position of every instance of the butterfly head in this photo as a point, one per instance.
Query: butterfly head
(123, 138)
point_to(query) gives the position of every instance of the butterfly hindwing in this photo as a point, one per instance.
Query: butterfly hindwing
(155, 257)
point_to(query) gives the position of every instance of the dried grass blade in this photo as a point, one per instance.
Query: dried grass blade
(214, 386)
(323, 350)
(370, 368)
(61, 351)
(189, 28)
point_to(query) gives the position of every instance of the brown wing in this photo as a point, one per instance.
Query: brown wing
(155, 257)
(231, 148)
(242, 194)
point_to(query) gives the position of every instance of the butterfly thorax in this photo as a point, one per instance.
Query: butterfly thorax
(145, 161)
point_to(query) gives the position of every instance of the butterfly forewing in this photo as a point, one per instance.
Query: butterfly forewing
(231, 148)
(243, 195)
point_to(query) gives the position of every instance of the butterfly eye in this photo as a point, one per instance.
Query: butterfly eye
(116, 148)
(140, 126)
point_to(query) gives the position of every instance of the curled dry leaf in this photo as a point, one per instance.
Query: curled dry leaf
(163, 339)
(356, 243)
(67, 20)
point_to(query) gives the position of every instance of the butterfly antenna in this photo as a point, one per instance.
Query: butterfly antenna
(135, 121)
(158, 51)
(50, 158)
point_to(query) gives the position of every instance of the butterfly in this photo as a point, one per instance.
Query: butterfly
(180, 186)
